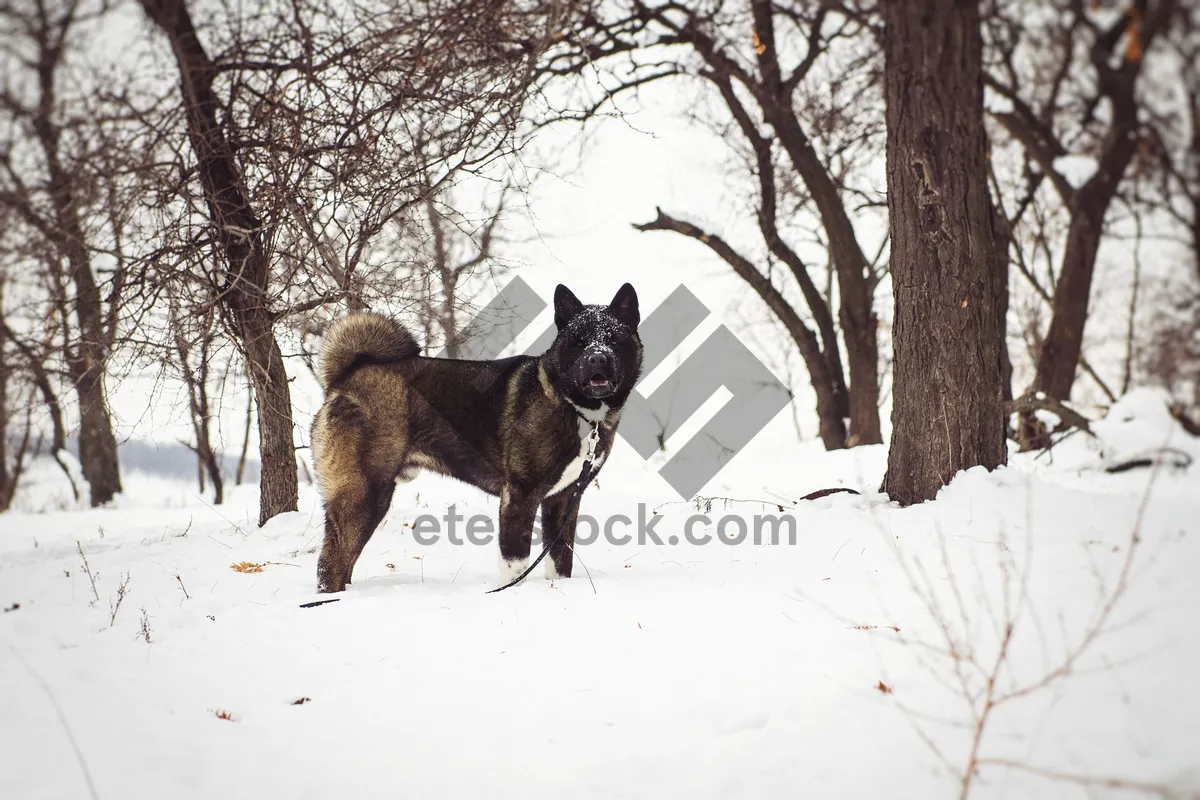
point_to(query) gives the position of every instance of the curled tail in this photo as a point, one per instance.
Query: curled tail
(363, 338)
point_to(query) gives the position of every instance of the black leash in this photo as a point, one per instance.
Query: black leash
(585, 475)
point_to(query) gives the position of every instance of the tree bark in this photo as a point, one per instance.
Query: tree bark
(278, 477)
(97, 444)
(239, 232)
(1002, 233)
(946, 408)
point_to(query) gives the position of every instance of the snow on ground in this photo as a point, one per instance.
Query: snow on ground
(677, 670)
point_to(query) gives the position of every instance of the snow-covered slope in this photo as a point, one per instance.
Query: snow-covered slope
(852, 663)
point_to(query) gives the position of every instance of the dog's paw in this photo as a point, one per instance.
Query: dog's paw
(552, 573)
(511, 568)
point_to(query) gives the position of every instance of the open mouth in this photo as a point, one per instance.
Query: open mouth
(598, 386)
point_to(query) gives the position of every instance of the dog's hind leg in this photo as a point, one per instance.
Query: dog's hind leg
(379, 500)
(352, 514)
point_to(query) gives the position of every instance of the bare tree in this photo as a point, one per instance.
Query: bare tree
(1170, 353)
(1176, 134)
(16, 428)
(310, 127)
(34, 359)
(1069, 79)
(456, 247)
(764, 61)
(194, 338)
(50, 176)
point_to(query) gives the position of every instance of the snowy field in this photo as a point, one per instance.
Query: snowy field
(856, 662)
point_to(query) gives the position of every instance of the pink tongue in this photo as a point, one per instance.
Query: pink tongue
(599, 382)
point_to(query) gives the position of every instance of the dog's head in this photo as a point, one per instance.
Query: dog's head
(597, 356)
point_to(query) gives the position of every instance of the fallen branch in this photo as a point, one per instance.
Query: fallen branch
(817, 495)
(1069, 417)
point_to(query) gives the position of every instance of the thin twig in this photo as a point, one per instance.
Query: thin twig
(87, 568)
(1091, 781)
(115, 605)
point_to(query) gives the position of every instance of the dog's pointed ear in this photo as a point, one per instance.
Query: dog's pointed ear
(625, 306)
(566, 306)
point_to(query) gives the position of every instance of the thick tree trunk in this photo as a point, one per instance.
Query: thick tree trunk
(239, 232)
(946, 408)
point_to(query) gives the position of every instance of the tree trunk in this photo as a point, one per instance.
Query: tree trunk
(946, 408)
(822, 358)
(278, 478)
(8, 480)
(41, 380)
(241, 465)
(197, 382)
(1062, 348)
(239, 232)
(1058, 360)
(856, 314)
(97, 444)
(88, 357)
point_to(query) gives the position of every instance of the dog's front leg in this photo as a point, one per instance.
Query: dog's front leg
(517, 512)
(554, 519)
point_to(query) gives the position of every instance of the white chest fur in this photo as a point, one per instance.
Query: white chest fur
(571, 471)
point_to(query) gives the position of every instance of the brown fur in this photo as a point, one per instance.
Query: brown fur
(510, 427)
(363, 337)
